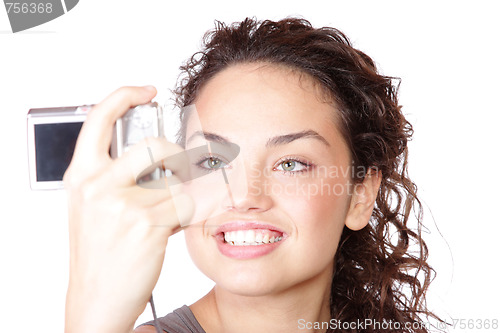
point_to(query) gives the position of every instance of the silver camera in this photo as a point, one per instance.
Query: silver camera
(52, 134)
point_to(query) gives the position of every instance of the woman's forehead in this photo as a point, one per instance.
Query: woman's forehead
(263, 97)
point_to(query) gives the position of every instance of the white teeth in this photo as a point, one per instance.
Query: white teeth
(240, 236)
(250, 237)
(265, 239)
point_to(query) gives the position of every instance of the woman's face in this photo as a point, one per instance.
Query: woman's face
(295, 181)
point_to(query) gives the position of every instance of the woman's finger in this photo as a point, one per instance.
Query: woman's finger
(173, 213)
(95, 136)
(147, 155)
(148, 194)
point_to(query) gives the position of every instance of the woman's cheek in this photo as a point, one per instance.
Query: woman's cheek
(314, 199)
(197, 247)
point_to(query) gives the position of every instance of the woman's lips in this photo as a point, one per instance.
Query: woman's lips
(247, 240)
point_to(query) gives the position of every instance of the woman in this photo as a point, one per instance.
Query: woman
(319, 241)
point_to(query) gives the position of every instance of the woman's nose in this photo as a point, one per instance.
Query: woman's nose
(246, 188)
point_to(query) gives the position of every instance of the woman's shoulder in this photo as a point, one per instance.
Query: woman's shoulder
(181, 320)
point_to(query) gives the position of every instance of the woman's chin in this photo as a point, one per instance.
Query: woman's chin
(248, 283)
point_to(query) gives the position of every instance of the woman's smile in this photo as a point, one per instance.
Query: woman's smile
(247, 240)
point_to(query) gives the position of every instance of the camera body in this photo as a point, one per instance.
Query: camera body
(52, 135)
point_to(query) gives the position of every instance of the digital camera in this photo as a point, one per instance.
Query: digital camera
(52, 134)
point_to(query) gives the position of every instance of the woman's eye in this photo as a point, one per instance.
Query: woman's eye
(212, 163)
(292, 166)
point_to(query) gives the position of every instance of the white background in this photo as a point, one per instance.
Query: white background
(447, 54)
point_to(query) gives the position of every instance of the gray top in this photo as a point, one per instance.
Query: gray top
(181, 320)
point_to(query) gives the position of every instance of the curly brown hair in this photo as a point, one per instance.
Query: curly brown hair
(381, 272)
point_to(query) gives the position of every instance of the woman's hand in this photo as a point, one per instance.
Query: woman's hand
(118, 230)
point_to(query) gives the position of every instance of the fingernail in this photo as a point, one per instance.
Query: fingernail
(150, 88)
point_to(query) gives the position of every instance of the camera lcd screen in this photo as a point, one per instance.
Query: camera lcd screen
(54, 146)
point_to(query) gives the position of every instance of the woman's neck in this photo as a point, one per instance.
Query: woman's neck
(308, 302)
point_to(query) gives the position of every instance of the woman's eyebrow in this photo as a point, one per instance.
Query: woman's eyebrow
(274, 141)
(209, 137)
(287, 138)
